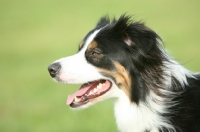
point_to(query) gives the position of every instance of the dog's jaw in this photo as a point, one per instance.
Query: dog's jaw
(112, 93)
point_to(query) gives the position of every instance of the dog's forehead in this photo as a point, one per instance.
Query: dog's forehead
(88, 39)
(91, 37)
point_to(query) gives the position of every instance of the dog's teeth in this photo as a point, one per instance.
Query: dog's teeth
(76, 99)
(99, 86)
(95, 90)
(90, 92)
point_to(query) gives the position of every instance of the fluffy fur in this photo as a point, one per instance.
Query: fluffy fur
(151, 92)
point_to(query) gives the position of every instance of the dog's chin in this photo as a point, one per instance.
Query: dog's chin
(88, 104)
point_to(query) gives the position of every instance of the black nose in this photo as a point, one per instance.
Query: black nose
(54, 69)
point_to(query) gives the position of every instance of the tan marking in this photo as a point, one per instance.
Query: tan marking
(121, 76)
(81, 44)
(92, 45)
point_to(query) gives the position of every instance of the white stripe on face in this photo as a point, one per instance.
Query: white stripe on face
(89, 40)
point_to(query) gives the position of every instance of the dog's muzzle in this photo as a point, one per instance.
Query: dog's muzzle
(54, 69)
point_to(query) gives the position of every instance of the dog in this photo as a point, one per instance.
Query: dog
(124, 60)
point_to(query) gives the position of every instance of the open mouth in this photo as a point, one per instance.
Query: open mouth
(87, 92)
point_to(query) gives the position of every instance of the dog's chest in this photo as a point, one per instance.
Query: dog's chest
(133, 118)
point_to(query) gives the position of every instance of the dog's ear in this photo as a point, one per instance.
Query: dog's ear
(135, 34)
(142, 37)
(120, 27)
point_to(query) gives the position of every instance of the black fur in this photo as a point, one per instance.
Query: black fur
(186, 114)
(142, 55)
(144, 62)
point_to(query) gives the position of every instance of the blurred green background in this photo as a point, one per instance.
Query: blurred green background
(34, 33)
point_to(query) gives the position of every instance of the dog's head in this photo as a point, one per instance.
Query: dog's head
(110, 62)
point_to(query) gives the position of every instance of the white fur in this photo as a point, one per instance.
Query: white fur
(131, 117)
(173, 68)
(178, 71)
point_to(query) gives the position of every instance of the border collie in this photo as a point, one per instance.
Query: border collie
(124, 60)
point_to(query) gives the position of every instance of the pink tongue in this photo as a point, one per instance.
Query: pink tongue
(85, 88)
(79, 93)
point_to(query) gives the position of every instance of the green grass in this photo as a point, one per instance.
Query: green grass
(35, 33)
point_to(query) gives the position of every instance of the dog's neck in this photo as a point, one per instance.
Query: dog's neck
(131, 117)
(134, 118)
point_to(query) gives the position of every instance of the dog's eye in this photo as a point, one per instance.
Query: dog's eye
(95, 52)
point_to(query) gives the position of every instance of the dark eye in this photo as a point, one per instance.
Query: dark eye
(95, 52)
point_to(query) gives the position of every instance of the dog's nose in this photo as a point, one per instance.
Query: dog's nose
(54, 69)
